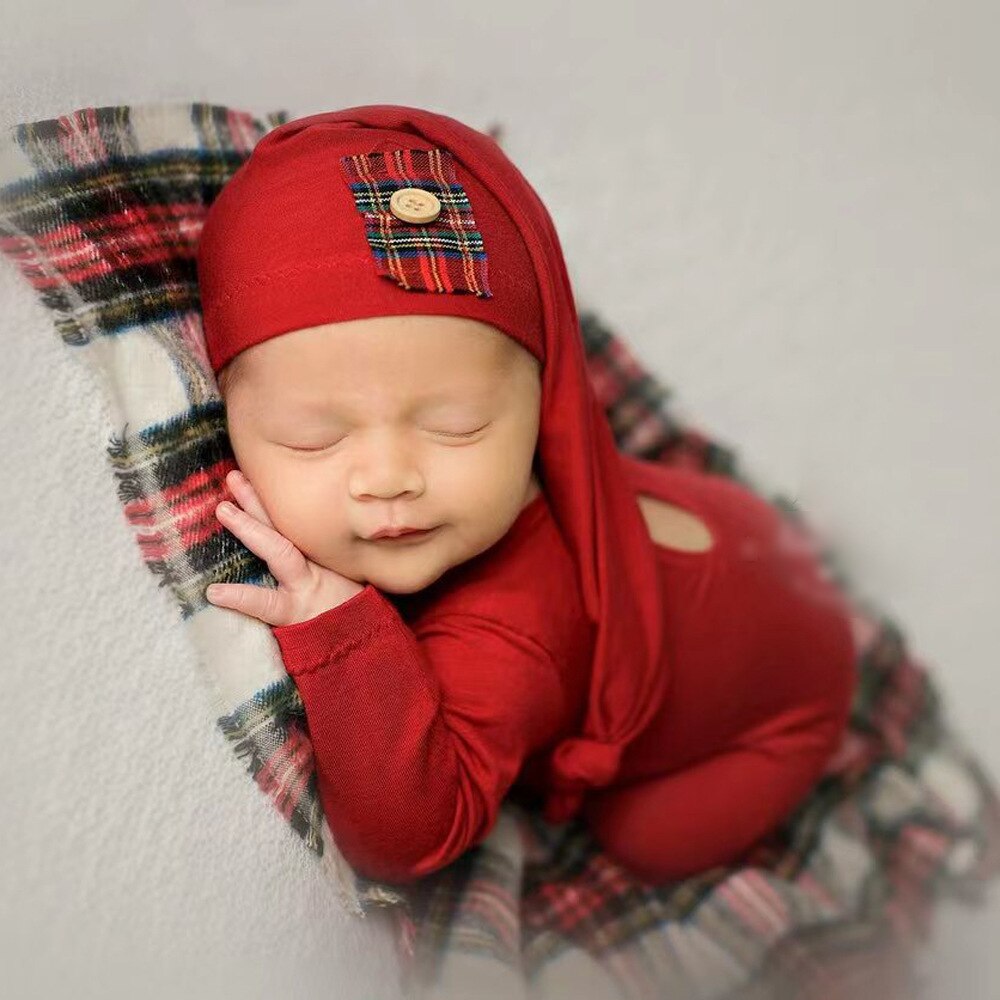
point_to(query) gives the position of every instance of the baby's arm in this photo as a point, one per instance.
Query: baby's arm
(416, 738)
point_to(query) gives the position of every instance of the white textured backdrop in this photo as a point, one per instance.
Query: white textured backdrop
(790, 210)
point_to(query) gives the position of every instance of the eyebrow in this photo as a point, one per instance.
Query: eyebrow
(482, 395)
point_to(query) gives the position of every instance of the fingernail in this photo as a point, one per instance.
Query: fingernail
(213, 592)
(225, 508)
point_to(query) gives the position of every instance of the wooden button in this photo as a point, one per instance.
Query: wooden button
(414, 205)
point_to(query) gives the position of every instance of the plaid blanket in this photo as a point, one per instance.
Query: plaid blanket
(100, 211)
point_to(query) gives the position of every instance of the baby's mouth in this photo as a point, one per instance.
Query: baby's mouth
(404, 538)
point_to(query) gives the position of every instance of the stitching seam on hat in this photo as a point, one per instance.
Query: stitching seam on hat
(270, 277)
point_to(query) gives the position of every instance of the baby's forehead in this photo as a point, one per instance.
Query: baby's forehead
(432, 353)
(384, 354)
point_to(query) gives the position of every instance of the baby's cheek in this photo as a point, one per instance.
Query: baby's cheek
(316, 528)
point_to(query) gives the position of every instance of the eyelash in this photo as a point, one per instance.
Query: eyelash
(466, 434)
(452, 434)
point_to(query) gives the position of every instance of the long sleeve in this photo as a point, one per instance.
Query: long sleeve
(416, 739)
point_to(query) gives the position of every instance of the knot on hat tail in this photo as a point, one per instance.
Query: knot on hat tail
(580, 759)
(579, 762)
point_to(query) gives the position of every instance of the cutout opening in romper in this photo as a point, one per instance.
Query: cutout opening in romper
(674, 528)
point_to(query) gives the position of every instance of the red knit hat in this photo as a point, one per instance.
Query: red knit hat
(306, 232)
(310, 230)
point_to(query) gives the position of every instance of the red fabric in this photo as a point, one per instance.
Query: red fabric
(425, 710)
(422, 708)
(763, 675)
(268, 264)
(284, 246)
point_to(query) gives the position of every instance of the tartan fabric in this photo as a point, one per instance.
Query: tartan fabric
(446, 255)
(100, 211)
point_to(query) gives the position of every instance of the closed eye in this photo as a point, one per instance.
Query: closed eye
(462, 435)
(451, 434)
(322, 447)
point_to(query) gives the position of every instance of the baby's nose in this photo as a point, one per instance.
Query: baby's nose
(386, 470)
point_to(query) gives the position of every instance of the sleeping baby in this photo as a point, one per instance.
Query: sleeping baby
(478, 596)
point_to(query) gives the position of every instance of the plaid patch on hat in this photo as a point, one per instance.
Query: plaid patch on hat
(446, 255)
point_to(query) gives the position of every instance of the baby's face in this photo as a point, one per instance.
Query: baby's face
(418, 421)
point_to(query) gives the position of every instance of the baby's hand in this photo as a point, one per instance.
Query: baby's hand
(305, 589)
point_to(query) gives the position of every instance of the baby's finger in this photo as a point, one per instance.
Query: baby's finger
(283, 559)
(265, 603)
(243, 490)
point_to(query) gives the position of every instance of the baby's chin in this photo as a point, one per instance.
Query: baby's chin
(408, 572)
(407, 569)
(405, 579)
(401, 571)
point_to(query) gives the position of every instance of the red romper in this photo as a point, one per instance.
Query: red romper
(425, 710)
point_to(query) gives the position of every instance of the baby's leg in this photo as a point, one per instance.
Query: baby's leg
(668, 827)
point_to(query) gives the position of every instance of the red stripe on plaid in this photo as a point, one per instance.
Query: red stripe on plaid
(184, 512)
(99, 246)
